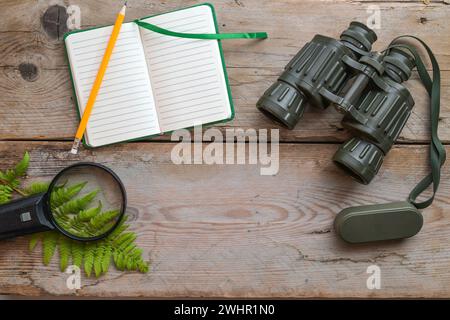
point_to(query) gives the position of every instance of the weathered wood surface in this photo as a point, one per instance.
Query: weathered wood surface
(45, 96)
(227, 231)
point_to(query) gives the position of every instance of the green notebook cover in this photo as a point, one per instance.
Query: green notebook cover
(230, 98)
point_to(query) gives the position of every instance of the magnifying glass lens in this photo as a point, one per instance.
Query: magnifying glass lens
(86, 202)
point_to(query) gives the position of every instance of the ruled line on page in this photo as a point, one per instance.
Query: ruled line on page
(192, 66)
(192, 118)
(184, 57)
(126, 94)
(110, 106)
(130, 134)
(167, 22)
(180, 114)
(182, 76)
(124, 117)
(113, 60)
(118, 112)
(123, 126)
(97, 47)
(108, 78)
(125, 106)
(119, 83)
(171, 53)
(110, 71)
(176, 83)
(173, 65)
(191, 100)
(192, 86)
(102, 32)
(186, 74)
(162, 112)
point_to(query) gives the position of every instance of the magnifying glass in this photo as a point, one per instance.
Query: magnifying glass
(85, 202)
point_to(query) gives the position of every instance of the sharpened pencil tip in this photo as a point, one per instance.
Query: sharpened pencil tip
(75, 146)
(125, 4)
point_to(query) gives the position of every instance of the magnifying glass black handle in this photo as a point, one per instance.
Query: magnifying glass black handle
(23, 216)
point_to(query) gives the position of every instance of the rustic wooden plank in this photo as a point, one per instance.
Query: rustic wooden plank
(289, 23)
(35, 82)
(44, 108)
(227, 231)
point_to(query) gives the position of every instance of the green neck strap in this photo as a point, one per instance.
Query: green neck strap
(437, 150)
(205, 36)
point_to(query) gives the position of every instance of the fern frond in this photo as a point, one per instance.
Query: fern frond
(122, 227)
(61, 195)
(11, 176)
(77, 253)
(99, 252)
(100, 220)
(87, 214)
(21, 168)
(49, 242)
(76, 205)
(34, 238)
(143, 266)
(123, 237)
(106, 259)
(36, 187)
(5, 194)
(64, 248)
(89, 256)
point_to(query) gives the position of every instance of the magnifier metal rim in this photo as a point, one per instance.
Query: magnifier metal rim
(84, 164)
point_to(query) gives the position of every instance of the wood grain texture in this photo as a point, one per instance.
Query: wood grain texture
(227, 231)
(252, 65)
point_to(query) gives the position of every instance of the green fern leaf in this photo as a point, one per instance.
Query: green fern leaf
(143, 266)
(87, 214)
(106, 259)
(89, 256)
(99, 252)
(36, 187)
(76, 205)
(49, 246)
(123, 238)
(21, 168)
(64, 249)
(128, 242)
(11, 176)
(100, 220)
(119, 230)
(34, 238)
(61, 195)
(77, 253)
(118, 260)
(5, 194)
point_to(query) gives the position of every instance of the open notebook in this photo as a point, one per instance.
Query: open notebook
(154, 83)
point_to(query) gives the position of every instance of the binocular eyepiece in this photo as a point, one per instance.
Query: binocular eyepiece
(366, 87)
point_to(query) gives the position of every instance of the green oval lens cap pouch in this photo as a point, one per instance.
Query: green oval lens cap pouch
(397, 220)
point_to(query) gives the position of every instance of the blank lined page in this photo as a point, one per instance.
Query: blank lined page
(186, 74)
(125, 108)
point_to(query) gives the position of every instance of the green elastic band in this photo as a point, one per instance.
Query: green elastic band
(437, 150)
(205, 36)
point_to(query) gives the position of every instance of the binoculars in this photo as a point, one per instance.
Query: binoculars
(366, 87)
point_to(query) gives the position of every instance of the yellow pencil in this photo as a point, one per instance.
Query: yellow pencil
(98, 80)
